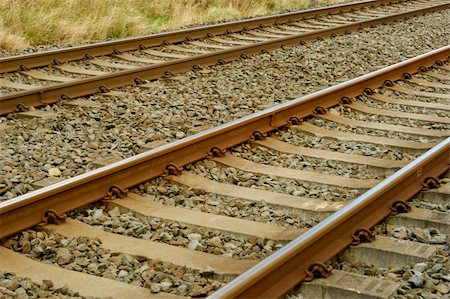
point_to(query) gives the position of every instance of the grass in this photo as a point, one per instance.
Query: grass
(25, 23)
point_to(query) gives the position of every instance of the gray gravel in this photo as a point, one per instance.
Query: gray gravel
(263, 155)
(404, 108)
(176, 233)
(330, 125)
(230, 175)
(172, 194)
(294, 136)
(86, 255)
(122, 126)
(13, 286)
(354, 114)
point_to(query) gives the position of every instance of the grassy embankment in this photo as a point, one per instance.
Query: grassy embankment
(25, 23)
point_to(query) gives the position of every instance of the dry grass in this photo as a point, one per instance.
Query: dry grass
(25, 23)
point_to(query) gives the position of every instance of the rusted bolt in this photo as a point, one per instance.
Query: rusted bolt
(318, 270)
(430, 183)
(400, 206)
(209, 34)
(368, 91)
(166, 43)
(319, 110)
(262, 25)
(89, 56)
(56, 62)
(221, 61)
(362, 235)
(439, 63)
(53, 217)
(264, 51)
(23, 67)
(244, 56)
(21, 108)
(217, 152)
(189, 39)
(65, 97)
(139, 81)
(103, 89)
(173, 169)
(168, 74)
(388, 83)
(142, 47)
(294, 120)
(406, 76)
(422, 69)
(257, 135)
(116, 51)
(345, 100)
(301, 43)
(319, 38)
(333, 35)
(115, 192)
(196, 67)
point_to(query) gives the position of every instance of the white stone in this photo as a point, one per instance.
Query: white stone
(54, 172)
(193, 244)
(196, 237)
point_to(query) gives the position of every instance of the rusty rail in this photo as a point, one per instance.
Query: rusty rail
(14, 63)
(27, 210)
(51, 94)
(281, 271)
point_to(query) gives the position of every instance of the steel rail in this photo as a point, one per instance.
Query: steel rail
(51, 94)
(14, 63)
(26, 210)
(284, 269)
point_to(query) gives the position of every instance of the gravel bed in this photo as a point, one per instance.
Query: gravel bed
(19, 78)
(330, 125)
(13, 286)
(404, 108)
(296, 137)
(58, 72)
(418, 203)
(172, 194)
(170, 110)
(263, 155)
(8, 90)
(354, 114)
(403, 96)
(418, 87)
(423, 76)
(175, 233)
(87, 255)
(90, 66)
(230, 175)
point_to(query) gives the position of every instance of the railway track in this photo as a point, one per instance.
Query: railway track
(43, 78)
(188, 217)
